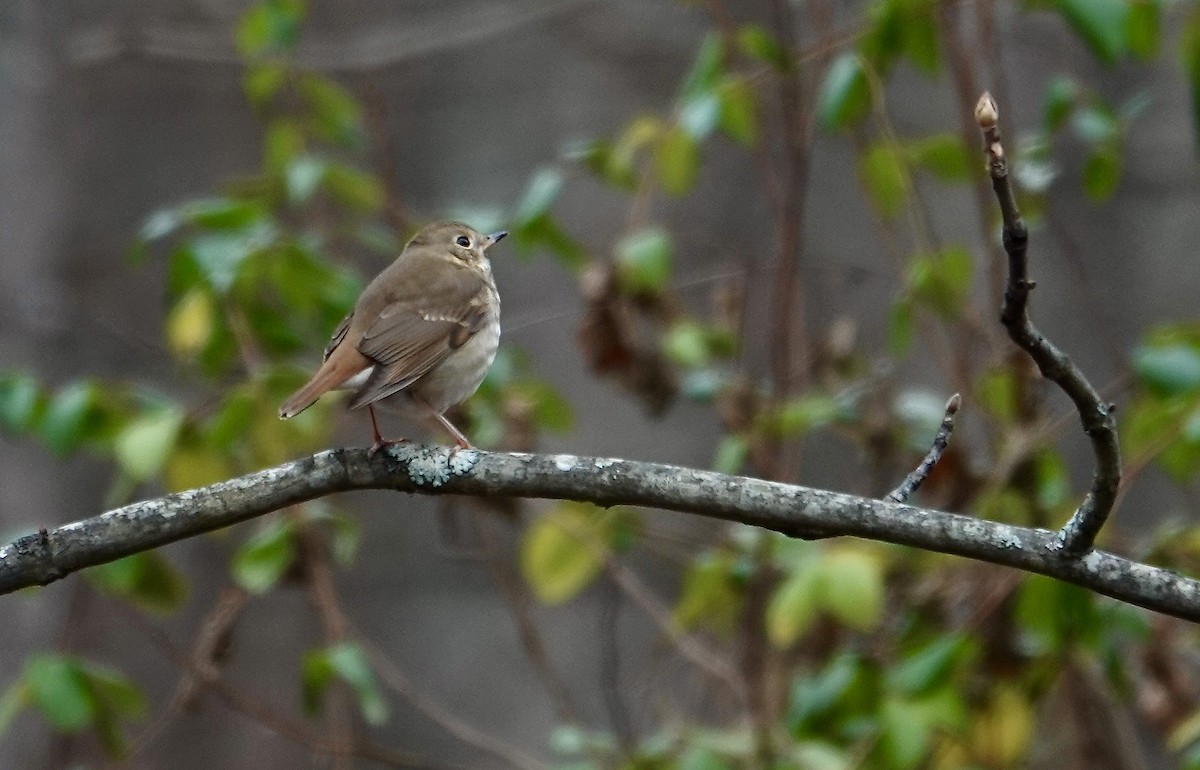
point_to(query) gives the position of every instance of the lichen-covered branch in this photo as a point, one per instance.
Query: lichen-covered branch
(793, 510)
(1079, 533)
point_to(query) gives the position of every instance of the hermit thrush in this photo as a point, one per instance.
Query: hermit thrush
(421, 336)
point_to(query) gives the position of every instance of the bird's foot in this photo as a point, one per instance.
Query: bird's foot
(381, 442)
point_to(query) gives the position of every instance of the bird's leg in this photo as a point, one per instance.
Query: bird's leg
(460, 441)
(380, 441)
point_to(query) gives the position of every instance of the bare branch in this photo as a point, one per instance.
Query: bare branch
(1079, 533)
(913, 481)
(792, 510)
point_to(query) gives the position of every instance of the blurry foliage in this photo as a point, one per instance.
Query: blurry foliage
(889, 658)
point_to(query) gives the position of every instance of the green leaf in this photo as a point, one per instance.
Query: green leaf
(798, 416)
(1189, 56)
(265, 557)
(644, 260)
(677, 159)
(794, 606)
(348, 662)
(353, 187)
(881, 169)
(1168, 370)
(699, 115)
(686, 343)
(929, 667)
(544, 232)
(701, 758)
(146, 580)
(65, 421)
(262, 81)
(143, 446)
(1056, 615)
(302, 177)
(1102, 173)
(335, 113)
(59, 688)
(1143, 30)
(757, 43)
(561, 552)
(710, 594)
(901, 327)
(270, 27)
(845, 94)
(853, 587)
(731, 455)
(1097, 124)
(942, 281)
(905, 736)
(813, 698)
(1101, 24)
(283, 143)
(706, 69)
(191, 323)
(544, 189)
(1062, 93)
(20, 402)
(943, 155)
(739, 110)
(345, 540)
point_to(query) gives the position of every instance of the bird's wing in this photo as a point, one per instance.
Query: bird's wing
(411, 334)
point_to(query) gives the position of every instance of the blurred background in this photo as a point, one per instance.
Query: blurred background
(753, 236)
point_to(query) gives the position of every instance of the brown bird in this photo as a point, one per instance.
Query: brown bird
(421, 336)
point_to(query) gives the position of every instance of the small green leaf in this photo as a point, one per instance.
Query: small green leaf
(799, 415)
(1189, 56)
(644, 260)
(350, 665)
(1101, 24)
(739, 110)
(710, 594)
(16, 698)
(1096, 124)
(345, 540)
(1168, 370)
(706, 69)
(270, 27)
(756, 42)
(65, 421)
(942, 281)
(881, 169)
(943, 155)
(262, 81)
(1062, 93)
(60, 690)
(845, 94)
(191, 323)
(905, 736)
(731, 454)
(20, 400)
(143, 446)
(901, 327)
(146, 580)
(302, 178)
(265, 557)
(1102, 173)
(1143, 29)
(677, 159)
(544, 189)
(853, 590)
(353, 187)
(559, 554)
(686, 343)
(794, 605)
(702, 758)
(813, 698)
(698, 116)
(929, 667)
(335, 113)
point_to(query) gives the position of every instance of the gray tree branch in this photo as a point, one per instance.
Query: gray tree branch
(44, 557)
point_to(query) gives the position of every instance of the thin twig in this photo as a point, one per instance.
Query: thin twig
(914, 480)
(283, 726)
(396, 681)
(1078, 535)
(610, 667)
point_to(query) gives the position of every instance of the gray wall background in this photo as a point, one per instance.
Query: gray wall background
(111, 109)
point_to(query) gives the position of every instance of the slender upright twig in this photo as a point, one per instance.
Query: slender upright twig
(1078, 535)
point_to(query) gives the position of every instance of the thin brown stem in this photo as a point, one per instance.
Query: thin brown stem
(1078, 535)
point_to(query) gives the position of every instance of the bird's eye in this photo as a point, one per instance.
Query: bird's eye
(463, 241)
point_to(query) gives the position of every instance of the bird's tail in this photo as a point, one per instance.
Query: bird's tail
(339, 367)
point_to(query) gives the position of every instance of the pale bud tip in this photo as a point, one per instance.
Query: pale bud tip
(986, 112)
(953, 404)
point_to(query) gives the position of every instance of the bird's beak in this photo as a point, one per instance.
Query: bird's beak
(489, 240)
